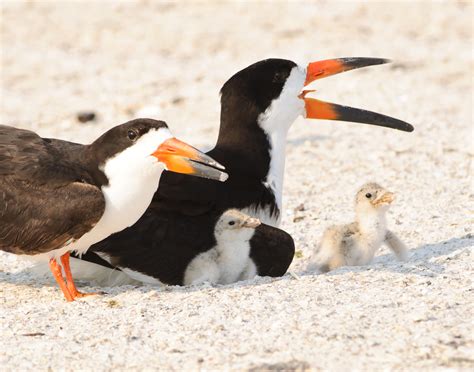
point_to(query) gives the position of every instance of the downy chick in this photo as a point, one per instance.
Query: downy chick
(228, 261)
(356, 243)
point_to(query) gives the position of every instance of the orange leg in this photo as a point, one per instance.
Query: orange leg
(58, 275)
(70, 281)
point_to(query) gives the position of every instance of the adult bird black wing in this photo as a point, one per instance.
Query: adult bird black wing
(34, 172)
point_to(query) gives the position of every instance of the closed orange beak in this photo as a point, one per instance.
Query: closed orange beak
(179, 157)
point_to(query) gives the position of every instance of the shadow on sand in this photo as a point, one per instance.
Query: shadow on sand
(422, 262)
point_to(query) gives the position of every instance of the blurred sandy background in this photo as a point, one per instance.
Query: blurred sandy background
(168, 61)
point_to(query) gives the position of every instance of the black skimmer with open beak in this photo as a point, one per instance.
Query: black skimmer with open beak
(58, 196)
(258, 106)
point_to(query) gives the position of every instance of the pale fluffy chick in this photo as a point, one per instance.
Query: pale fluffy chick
(356, 243)
(228, 261)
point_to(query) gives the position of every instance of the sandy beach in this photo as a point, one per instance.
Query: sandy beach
(168, 61)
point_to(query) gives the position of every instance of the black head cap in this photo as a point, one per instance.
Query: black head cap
(122, 136)
(257, 85)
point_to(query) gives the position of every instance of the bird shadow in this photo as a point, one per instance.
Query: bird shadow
(422, 260)
(30, 278)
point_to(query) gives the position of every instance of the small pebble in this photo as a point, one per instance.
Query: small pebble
(85, 116)
(300, 208)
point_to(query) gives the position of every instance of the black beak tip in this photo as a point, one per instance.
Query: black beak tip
(404, 126)
(384, 60)
(358, 62)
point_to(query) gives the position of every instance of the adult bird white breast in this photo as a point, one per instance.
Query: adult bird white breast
(58, 196)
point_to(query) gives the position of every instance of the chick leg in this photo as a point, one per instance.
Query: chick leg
(396, 245)
(70, 281)
(58, 275)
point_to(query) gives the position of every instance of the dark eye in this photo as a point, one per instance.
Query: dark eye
(232, 223)
(368, 195)
(132, 135)
(278, 77)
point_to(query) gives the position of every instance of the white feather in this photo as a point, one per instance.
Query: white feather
(250, 271)
(276, 121)
(134, 175)
(90, 272)
(228, 259)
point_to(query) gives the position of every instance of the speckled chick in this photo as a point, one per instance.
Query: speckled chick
(228, 261)
(356, 243)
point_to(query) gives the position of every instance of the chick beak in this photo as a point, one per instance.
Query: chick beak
(385, 199)
(252, 223)
(179, 157)
(316, 109)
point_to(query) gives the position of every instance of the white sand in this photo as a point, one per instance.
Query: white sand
(169, 61)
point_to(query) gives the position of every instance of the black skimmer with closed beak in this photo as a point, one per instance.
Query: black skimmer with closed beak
(258, 106)
(58, 196)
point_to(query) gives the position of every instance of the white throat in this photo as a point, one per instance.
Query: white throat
(276, 121)
(134, 176)
(372, 223)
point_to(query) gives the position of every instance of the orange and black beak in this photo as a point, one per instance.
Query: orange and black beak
(316, 109)
(180, 157)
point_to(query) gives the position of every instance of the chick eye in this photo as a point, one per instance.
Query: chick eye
(368, 195)
(231, 223)
(132, 135)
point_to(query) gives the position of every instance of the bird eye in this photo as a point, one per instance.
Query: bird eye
(132, 135)
(278, 77)
(231, 223)
(368, 195)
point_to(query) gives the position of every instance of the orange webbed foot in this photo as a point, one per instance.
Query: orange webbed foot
(58, 275)
(70, 281)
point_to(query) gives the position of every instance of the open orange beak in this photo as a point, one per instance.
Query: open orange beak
(180, 157)
(316, 109)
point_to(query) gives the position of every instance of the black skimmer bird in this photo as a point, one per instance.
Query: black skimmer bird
(356, 243)
(59, 196)
(258, 106)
